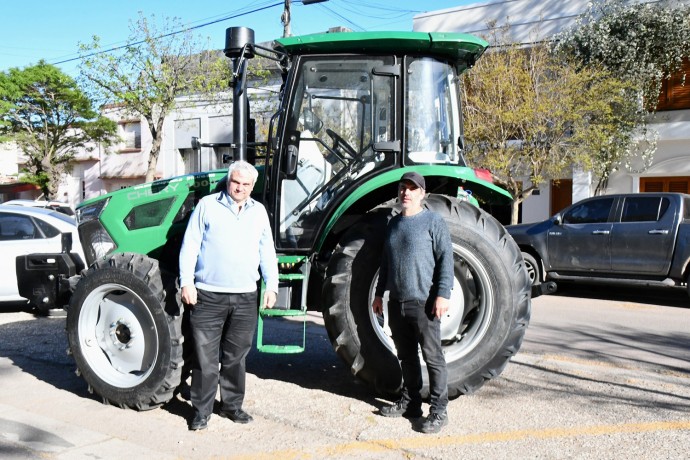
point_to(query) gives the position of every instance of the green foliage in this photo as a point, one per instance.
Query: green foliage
(531, 116)
(148, 77)
(643, 43)
(50, 119)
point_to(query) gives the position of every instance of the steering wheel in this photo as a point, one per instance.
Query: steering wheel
(338, 141)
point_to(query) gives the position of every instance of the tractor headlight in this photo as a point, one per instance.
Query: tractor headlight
(92, 211)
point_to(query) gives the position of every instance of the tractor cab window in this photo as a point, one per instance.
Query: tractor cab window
(432, 112)
(341, 107)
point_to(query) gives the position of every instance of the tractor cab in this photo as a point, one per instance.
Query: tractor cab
(349, 118)
(354, 106)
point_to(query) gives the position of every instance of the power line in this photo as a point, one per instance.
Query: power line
(370, 5)
(170, 33)
(356, 26)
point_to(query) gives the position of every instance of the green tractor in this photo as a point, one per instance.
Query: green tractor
(356, 111)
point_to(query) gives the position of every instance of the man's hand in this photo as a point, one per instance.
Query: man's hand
(189, 295)
(269, 299)
(441, 306)
(377, 305)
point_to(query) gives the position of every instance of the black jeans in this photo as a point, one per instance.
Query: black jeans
(413, 324)
(224, 323)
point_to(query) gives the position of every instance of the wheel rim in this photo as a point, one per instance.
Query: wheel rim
(471, 308)
(118, 335)
(531, 271)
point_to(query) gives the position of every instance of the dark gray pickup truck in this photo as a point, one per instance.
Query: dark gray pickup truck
(640, 238)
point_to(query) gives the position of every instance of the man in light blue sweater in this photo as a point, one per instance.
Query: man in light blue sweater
(228, 239)
(417, 270)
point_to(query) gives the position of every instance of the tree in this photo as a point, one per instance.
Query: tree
(643, 43)
(147, 77)
(640, 43)
(531, 117)
(50, 119)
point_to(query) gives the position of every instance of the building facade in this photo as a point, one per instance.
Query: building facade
(97, 170)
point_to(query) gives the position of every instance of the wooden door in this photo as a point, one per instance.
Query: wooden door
(561, 194)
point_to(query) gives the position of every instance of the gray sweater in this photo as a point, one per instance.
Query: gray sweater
(417, 261)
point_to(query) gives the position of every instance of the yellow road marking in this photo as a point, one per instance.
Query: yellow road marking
(387, 445)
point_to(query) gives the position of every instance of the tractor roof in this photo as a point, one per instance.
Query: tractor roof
(452, 46)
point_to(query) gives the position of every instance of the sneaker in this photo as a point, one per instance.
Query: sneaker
(199, 422)
(402, 408)
(434, 422)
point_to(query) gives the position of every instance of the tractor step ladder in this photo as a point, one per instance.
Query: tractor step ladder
(293, 273)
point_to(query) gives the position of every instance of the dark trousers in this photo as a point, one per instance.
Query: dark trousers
(221, 323)
(413, 325)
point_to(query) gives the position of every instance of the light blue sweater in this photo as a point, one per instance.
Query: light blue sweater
(224, 247)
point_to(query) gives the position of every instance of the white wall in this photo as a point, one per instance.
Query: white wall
(536, 207)
(528, 19)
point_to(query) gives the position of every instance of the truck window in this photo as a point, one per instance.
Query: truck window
(644, 209)
(591, 212)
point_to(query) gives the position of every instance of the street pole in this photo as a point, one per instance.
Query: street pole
(285, 19)
(286, 16)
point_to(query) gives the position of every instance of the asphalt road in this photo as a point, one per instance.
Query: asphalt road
(601, 374)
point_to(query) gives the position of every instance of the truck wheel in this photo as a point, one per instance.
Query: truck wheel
(532, 267)
(124, 331)
(490, 303)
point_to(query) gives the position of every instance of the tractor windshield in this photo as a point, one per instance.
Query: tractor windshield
(432, 113)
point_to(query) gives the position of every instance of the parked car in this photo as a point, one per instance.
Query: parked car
(640, 238)
(54, 205)
(29, 230)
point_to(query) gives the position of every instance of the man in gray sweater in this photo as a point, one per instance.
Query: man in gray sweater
(417, 270)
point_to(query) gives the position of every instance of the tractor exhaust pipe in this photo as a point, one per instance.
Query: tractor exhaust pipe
(239, 47)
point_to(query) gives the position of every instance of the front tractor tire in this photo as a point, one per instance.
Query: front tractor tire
(490, 302)
(124, 331)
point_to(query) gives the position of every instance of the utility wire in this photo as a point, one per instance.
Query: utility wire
(370, 5)
(170, 33)
(356, 26)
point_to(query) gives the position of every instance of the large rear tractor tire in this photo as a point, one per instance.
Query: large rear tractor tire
(124, 330)
(490, 302)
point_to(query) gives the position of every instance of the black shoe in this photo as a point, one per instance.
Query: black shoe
(200, 422)
(402, 408)
(434, 422)
(237, 415)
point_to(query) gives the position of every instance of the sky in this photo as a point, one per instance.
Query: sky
(52, 29)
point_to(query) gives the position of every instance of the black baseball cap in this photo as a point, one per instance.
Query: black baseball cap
(415, 178)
